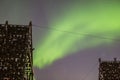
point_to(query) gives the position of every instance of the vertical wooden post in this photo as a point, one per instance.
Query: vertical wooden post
(30, 25)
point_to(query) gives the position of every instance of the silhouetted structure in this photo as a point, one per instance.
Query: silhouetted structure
(16, 52)
(109, 70)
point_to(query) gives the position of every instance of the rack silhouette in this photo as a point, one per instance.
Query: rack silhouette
(109, 70)
(16, 58)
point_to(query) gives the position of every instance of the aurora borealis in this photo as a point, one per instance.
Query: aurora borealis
(70, 35)
(94, 22)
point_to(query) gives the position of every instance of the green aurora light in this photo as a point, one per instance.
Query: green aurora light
(101, 20)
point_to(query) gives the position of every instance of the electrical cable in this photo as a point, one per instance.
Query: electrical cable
(75, 33)
(89, 72)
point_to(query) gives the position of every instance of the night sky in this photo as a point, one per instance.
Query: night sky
(68, 35)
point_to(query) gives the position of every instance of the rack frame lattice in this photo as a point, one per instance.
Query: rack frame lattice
(109, 70)
(16, 52)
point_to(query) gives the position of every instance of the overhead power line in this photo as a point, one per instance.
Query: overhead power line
(90, 71)
(76, 33)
